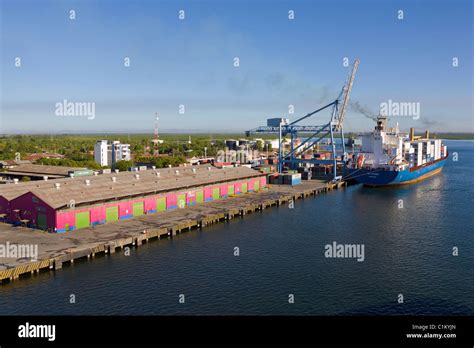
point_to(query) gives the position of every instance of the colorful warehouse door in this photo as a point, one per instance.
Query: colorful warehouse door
(199, 196)
(111, 214)
(256, 186)
(137, 208)
(181, 198)
(215, 193)
(161, 204)
(230, 190)
(41, 221)
(244, 187)
(207, 194)
(82, 219)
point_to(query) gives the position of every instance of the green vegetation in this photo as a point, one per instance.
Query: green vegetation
(86, 163)
(78, 150)
(123, 165)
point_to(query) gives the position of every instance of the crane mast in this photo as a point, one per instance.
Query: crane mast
(346, 95)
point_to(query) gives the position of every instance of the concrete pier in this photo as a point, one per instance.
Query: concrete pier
(56, 249)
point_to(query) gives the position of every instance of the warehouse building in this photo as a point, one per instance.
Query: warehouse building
(68, 204)
(40, 171)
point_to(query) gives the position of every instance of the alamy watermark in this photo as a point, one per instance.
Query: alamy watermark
(68, 108)
(346, 251)
(28, 330)
(233, 156)
(404, 109)
(19, 251)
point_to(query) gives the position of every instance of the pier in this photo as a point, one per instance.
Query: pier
(56, 249)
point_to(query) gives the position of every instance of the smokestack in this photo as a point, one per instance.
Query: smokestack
(412, 134)
(427, 134)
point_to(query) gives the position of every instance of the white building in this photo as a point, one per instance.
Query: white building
(106, 153)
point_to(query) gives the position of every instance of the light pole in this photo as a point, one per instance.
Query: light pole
(205, 152)
(280, 167)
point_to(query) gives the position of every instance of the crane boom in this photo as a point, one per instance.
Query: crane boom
(347, 93)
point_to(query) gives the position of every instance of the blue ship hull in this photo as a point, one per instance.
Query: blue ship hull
(378, 177)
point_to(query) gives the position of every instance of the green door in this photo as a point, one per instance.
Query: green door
(82, 219)
(230, 190)
(137, 208)
(181, 200)
(244, 187)
(41, 221)
(161, 204)
(215, 193)
(111, 214)
(256, 186)
(199, 196)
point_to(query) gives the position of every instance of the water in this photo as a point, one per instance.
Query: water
(407, 251)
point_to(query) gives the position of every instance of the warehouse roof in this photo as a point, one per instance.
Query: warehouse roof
(39, 169)
(30, 174)
(88, 190)
(11, 191)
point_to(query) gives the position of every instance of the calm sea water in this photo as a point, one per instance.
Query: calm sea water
(407, 251)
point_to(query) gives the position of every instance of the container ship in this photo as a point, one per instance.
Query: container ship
(389, 157)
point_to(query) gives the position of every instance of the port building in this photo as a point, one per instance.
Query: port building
(107, 153)
(69, 204)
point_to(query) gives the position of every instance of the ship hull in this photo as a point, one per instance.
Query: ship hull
(377, 177)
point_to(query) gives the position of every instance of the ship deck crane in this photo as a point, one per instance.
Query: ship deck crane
(315, 133)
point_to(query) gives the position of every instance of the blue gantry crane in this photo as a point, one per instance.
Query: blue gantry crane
(334, 129)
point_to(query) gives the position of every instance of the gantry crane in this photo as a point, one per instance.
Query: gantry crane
(316, 133)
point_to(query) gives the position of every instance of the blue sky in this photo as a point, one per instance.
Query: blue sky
(190, 62)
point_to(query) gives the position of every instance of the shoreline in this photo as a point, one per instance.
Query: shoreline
(56, 249)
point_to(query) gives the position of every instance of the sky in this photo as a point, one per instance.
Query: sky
(189, 62)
